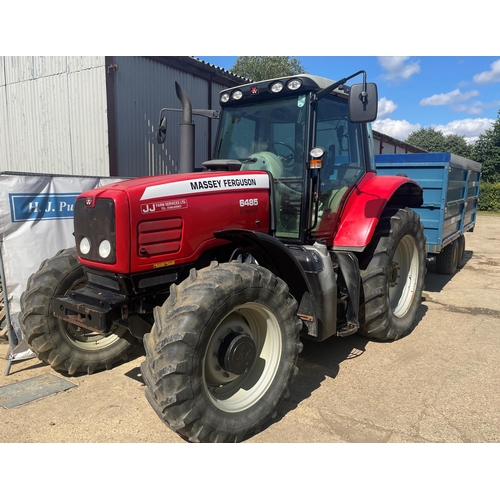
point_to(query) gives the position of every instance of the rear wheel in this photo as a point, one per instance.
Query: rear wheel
(64, 346)
(392, 273)
(222, 352)
(461, 251)
(447, 260)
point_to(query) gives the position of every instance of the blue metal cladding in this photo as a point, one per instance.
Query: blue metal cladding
(451, 189)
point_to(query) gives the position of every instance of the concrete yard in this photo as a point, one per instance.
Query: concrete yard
(440, 384)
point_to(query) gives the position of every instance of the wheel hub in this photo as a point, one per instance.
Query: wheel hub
(237, 353)
(393, 275)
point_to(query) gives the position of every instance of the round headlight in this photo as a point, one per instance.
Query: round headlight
(104, 249)
(237, 95)
(85, 246)
(277, 87)
(317, 152)
(224, 97)
(294, 84)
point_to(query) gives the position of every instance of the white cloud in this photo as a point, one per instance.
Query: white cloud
(450, 98)
(489, 76)
(470, 128)
(386, 107)
(399, 129)
(397, 67)
(475, 108)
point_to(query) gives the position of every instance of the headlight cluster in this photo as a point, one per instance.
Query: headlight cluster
(236, 96)
(104, 247)
(294, 84)
(274, 87)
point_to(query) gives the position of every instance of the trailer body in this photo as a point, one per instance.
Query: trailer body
(450, 187)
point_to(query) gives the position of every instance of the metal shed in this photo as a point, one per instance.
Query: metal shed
(386, 145)
(97, 115)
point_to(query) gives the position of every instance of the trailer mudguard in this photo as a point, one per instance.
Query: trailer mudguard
(365, 205)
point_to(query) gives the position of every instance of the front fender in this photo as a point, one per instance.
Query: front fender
(272, 254)
(366, 204)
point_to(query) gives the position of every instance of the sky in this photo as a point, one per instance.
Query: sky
(455, 94)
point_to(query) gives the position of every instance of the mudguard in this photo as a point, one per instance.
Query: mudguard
(366, 204)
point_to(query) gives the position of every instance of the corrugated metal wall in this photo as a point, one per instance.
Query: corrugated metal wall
(142, 88)
(53, 115)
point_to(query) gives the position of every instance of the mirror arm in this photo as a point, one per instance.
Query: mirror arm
(327, 90)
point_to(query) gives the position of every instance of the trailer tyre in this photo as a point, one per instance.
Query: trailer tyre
(222, 352)
(58, 343)
(392, 271)
(461, 251)
(447, 260)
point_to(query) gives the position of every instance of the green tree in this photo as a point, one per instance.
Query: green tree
(435, 141)
(258, 68)
(429, 139)
(486, 151)
(457, 145)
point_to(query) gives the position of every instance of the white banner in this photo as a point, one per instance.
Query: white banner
(36, 221)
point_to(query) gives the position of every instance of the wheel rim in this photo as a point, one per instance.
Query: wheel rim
(82, 338)
(251, 323)
(403, 276)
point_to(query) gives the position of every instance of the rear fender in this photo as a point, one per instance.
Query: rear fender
(366, 204)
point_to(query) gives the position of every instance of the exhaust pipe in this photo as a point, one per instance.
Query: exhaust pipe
(186, 161)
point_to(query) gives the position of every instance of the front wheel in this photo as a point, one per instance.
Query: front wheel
(222, 352)
(392, 273)
(64, 346)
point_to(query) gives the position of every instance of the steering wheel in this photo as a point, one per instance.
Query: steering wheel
(287, 161)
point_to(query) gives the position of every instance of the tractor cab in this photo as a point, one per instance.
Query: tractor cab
(312, 135)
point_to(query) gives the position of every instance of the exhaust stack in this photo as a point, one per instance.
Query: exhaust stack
(186, 160)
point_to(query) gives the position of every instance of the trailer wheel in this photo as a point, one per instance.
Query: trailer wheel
(222, 352)
(392, 273)
(447, 260)
(461, 251)
(62, 345)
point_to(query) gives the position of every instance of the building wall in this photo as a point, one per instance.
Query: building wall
(53, 115)
(385, 145)
(142, 87)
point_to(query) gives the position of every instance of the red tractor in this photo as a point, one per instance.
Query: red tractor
(287, 233)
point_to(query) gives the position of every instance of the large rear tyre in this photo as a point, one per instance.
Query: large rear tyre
(392, 274)
(222, 352)
(62, 345)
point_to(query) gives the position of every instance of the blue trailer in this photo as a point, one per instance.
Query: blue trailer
(451, 189)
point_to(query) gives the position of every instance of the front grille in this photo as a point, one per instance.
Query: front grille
(96, 224)
(160, 237)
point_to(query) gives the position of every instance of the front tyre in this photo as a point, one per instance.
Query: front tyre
(392, 274)
(222, 352)
(64, 346)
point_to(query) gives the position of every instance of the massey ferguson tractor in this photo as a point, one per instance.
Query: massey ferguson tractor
(287, 233)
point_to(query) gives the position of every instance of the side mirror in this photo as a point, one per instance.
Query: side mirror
(363, 106)
(162, 130)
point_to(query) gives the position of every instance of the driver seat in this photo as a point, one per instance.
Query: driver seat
(265, 161)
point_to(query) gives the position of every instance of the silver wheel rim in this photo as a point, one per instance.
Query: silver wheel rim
(84, 339)
(233, 393)
(403, 276)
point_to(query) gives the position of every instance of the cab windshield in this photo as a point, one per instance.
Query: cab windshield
(270, 135)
